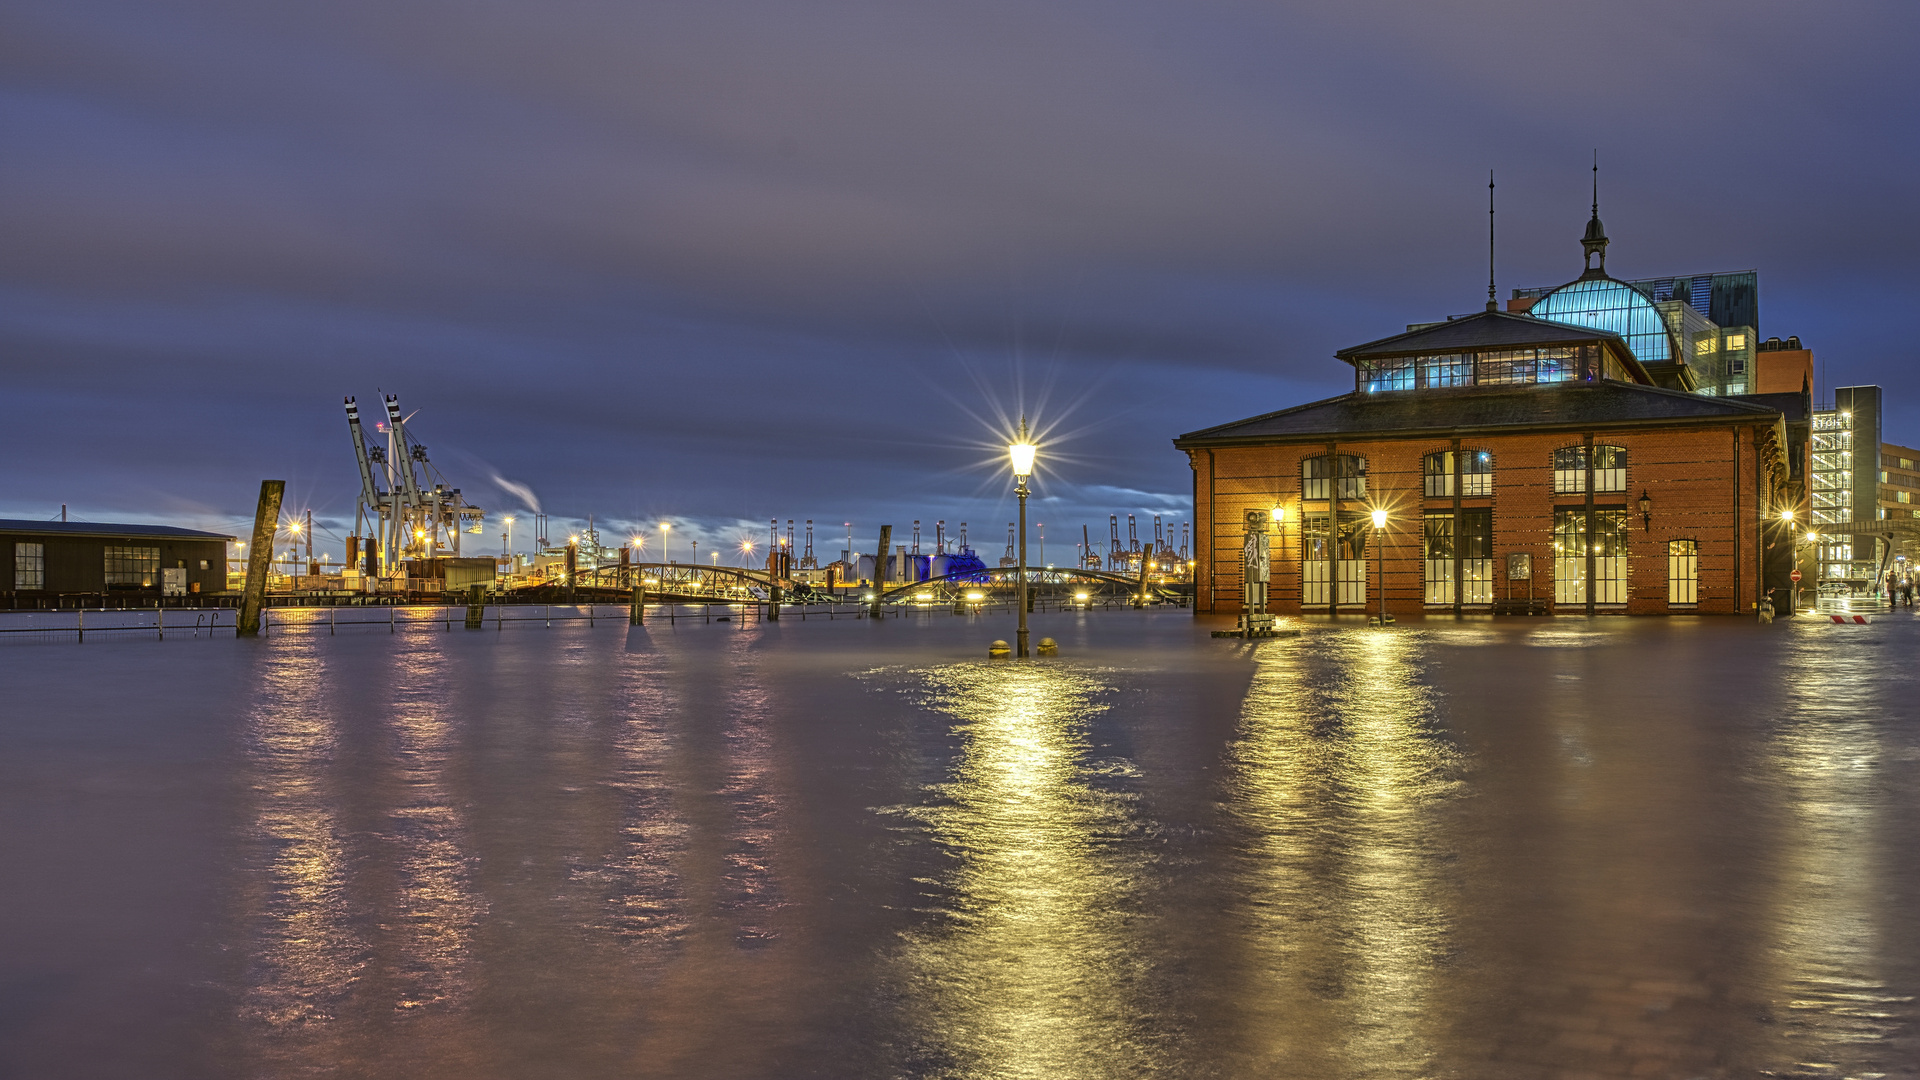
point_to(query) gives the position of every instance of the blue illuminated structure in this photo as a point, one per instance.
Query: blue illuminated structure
(1603, 303)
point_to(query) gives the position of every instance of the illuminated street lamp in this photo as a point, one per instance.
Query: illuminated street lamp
(1380, 558)
(1021, 453)
(665, 528)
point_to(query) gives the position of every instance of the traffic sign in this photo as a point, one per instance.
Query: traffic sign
(1795, 575)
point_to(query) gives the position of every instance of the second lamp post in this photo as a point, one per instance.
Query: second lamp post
(1021, 451)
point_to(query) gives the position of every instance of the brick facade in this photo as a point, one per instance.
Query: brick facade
(1710, 483)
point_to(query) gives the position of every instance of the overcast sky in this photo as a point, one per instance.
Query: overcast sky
(721, 262)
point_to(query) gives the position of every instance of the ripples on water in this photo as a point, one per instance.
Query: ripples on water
(1661, 848)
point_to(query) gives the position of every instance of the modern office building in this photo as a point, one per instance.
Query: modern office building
(1844, 484)
(1899, 481)
(1510, 455)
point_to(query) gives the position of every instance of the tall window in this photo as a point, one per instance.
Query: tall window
(132, 567)
(1609, 468)
(1471, 537)
(1609, 543)
(1346, 473)
(1346, 579)
(1570, 469)
(1683, 573)
(1476, 473)
(29, 566)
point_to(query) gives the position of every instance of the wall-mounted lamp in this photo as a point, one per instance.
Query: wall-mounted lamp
(1646, 511)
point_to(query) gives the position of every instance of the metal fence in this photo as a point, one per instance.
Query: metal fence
(80, 625)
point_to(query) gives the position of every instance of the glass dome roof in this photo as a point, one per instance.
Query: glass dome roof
(1601, 303)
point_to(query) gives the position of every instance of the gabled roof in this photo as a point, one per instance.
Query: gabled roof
(99, 528)
(1488, 331)
(1535, 407)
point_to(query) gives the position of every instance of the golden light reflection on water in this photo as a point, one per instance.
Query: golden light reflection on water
(1029, 973)
(1337, 777)
(307, 956)
(364, 905)
(1833, 1002)
(435, 912)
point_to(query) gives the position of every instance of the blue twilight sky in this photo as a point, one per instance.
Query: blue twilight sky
(719, 262)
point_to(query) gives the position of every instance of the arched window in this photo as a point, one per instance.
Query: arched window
(1570, 469)
(1476, 473)
(1318, 476)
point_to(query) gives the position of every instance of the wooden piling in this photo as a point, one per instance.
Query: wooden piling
(476, 606)
(880, 570)
(636, 605)
(266, 526)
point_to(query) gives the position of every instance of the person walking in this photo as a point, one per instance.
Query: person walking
(1906, 590)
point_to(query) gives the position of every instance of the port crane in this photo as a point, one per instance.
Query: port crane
(411, 509)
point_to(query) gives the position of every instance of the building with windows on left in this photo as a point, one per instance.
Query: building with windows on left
(57, 561)
(1522, 464)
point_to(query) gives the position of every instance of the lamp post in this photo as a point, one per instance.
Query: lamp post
(1021, 453)
(1380, 560)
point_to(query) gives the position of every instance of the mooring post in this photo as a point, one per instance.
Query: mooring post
(266, 525)
(1140, 601)
(773, 598)
(476, 606)
(635, 605)
(880, 570)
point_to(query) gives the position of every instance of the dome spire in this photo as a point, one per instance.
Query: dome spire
(1595, 241)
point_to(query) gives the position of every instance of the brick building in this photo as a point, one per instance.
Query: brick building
(1523, 464)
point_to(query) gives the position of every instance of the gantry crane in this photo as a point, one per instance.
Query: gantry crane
(412, 518)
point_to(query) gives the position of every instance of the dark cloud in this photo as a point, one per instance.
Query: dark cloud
(731, 261)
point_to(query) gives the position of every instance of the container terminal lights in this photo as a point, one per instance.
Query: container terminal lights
(1577, 462)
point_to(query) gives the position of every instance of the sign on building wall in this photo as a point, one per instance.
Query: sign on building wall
(1519, 566)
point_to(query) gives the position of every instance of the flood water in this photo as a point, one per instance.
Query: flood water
(1521, 848)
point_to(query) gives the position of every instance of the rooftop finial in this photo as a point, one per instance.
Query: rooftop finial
(1595, 241)
(1492, 304)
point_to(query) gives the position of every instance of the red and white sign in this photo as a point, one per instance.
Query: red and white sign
(1795, 575)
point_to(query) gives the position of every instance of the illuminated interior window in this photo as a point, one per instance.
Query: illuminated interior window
(29, 566)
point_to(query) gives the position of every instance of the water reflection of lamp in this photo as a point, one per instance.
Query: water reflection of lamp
(1021, 453)
(1646, 511)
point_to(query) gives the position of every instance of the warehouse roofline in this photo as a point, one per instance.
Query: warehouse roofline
(102, 528)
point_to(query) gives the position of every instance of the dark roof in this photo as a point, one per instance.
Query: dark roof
(1481, 330)
(1792, 405)
(100, 528)
(1559, 405)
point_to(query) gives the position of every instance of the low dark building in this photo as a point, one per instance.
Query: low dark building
(50, 559)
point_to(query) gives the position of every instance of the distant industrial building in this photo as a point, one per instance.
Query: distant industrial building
(52, 559)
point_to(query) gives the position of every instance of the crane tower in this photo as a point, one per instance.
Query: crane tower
(412, 510)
